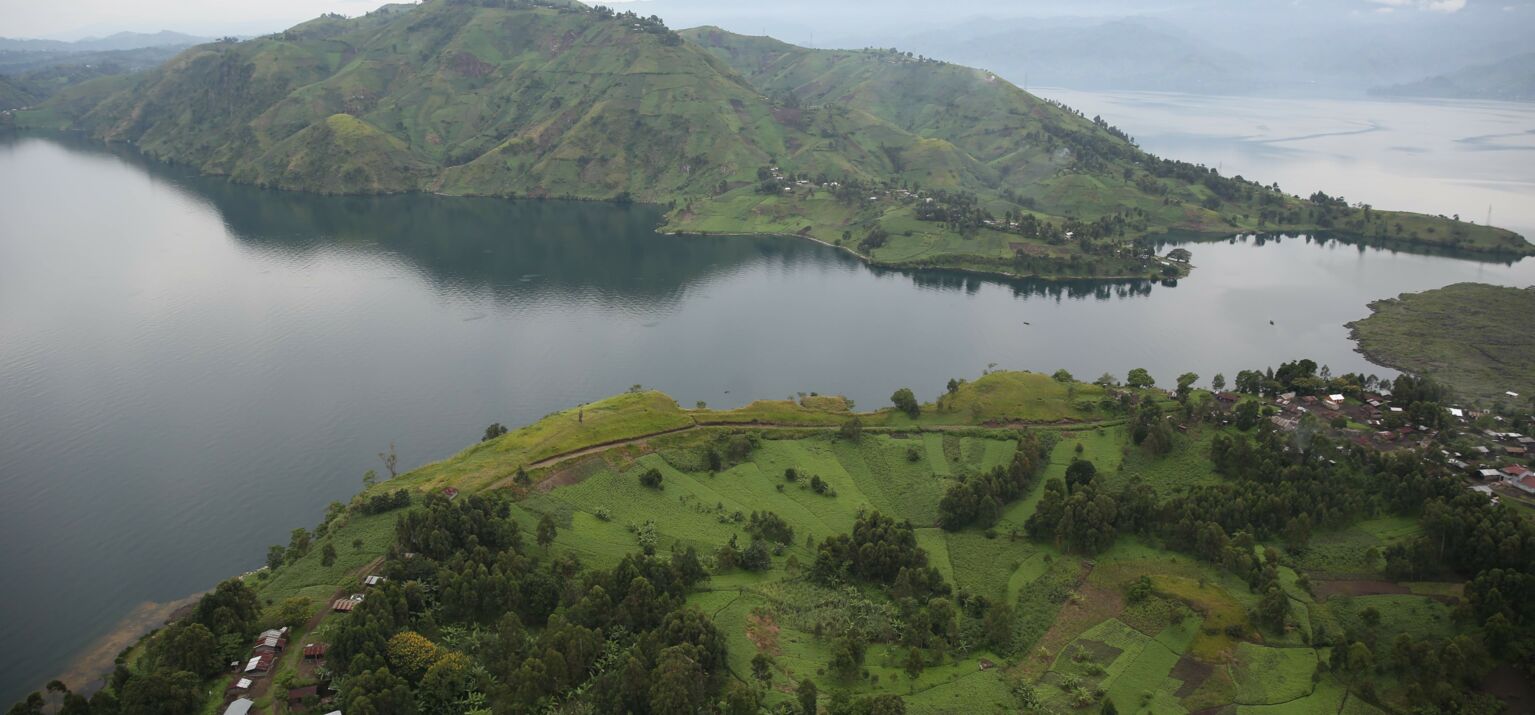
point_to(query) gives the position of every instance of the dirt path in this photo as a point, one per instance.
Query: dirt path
(605, 446)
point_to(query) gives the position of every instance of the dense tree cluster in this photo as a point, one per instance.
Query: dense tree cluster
(384, 501)
(620, 639)
(1079, 515)
(980, 499)
(768, 526)
(880, 550)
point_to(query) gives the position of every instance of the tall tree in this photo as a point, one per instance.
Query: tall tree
(546, 531)
(1140, 378)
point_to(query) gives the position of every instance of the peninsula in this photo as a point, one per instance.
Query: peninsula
(1470, 336)
(899, 159)
(1023, 543)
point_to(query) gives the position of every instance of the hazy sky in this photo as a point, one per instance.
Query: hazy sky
(72, 19)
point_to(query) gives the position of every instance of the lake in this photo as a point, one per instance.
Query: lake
(1430, 156)
(191, 369)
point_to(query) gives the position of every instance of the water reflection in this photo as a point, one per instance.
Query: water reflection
(1324, 240)
(178, 351)
(521, 250)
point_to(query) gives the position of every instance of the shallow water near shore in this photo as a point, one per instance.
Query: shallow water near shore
(190, 369)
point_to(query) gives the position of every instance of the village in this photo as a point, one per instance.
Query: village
(252, 679)
(1494, 462)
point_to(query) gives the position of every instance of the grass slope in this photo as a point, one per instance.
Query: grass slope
(1192, 645)
(1470, 336)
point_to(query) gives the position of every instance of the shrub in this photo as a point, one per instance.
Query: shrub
(851, 430)
(1138, 590)
(651, 478)
(905, 401)
(768, 526)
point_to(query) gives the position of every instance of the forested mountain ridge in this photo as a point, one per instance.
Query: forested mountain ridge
(900, 159)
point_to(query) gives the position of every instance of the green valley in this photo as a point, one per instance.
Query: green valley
(901, 160)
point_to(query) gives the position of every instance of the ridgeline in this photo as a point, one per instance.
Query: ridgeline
(902, 160)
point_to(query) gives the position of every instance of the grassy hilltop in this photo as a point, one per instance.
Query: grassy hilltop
(1025, 543)
(902, 160)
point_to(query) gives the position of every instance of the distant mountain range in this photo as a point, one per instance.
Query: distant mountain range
(32, 70)
(20, 63)
(117, 41)
(1200, 46)
(1127, 53)
(1511, 80)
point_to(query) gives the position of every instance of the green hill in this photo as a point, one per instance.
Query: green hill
(902, 160)
(14, 95)
(1013, 547)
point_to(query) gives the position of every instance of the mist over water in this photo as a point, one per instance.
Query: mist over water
(1436, 157)
(189, 369)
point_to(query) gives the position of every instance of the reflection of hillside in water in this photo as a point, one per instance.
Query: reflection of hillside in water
(531, 249)
(1101, 289)
(522, 250)
(1322, 240)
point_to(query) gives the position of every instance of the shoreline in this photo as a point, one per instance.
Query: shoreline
(1186, 236)
(88, 670)
(875, 263)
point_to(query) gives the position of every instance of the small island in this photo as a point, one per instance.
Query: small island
(1472, 337)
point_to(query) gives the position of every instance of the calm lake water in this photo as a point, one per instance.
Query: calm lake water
(191, 369)
(1430, 156)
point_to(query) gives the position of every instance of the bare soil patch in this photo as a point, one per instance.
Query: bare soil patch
(762, 630)
(1099, 651)
(1507, 684)
(1193, 672)
(571, 473)
(1357, 587)
(1089, 605)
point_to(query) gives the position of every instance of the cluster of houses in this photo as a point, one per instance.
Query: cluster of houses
(250, 673)
(898, 194)
(263, 657)
(1505, 449)
(1500, 458)
(1370, 410)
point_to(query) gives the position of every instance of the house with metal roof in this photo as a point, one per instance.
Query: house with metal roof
(258, 664)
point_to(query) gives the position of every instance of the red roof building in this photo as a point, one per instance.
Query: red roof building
(314, 650)
(259, 664)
